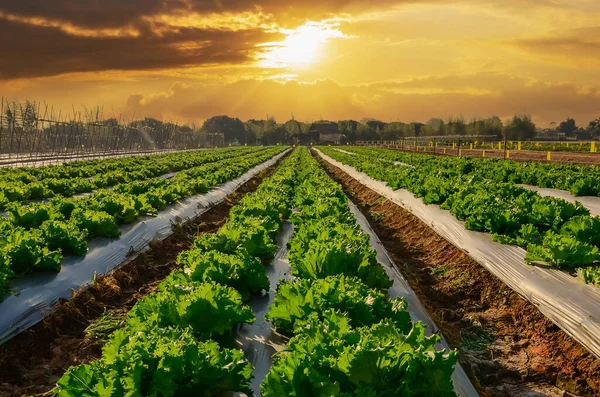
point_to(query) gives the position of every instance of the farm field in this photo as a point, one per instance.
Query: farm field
(38, 234)
(334, 316)
(486, 195)
(475, 187)
(299, 199)
(542, 153)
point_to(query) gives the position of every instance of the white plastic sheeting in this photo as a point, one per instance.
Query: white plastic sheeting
(260, 341)
(36, 294)
(56, 159)
(566, 300)
(345, 151)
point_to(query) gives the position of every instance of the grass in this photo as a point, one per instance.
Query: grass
(440, 271)
(475, 337)
(102, 327)
(377, 216)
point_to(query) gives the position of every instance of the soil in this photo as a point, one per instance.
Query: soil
(33, 361)
(582, 158)
(507, 347)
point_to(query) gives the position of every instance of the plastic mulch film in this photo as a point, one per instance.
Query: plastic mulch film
(589, 202)
(56, 159)
(566, 300)
(36, 294)
(260, 341)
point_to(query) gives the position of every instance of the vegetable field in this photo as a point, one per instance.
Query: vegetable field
(485, 194)
(36, 234)
(338, 320)
(336, 303)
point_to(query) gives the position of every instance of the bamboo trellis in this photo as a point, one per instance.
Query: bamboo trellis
(33, 132)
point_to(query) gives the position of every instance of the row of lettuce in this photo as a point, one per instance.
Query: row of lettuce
(552, 230)
(36, 236)
(179, 340)
(580, 180)
(349, 338)
(574, 146)
(18, 185)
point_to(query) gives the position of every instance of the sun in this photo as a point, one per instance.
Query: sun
(302, 47)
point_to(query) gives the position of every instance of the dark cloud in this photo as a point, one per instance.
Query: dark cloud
(34, 51)
(119, 13)
(92, 13)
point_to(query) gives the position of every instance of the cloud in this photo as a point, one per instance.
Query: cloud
(572, 46)
(118, 13)
(34, 50)
(388, 101)
(45, 38)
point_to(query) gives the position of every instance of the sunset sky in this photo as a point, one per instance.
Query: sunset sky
(187, 60)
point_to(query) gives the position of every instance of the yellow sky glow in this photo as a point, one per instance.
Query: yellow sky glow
(302, 47)
(388, 59)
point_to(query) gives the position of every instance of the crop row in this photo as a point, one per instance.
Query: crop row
(349, 338)
(177, 341)
(582, 147)
(66, 180)
(36, 236)
(580, 180)
(552, 230)
(174, 341)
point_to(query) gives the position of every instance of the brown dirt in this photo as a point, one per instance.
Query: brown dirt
(33, 361)
(521, 155)
(507, 346)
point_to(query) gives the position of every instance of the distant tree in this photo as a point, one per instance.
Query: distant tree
(232, 129)
(365, 133)
(569, 127)
(374, 124)
(434, 123)
(29, 115)
(274, 133)
(348, 128)
(393, 131)
(456, 126)
(593, 128)
(490, 126)
(417, 128)
(292, 127)
(520, 128)
(437, 127)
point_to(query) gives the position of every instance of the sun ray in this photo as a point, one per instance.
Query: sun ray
(301, 48)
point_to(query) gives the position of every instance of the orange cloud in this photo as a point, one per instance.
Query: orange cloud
(253, 99)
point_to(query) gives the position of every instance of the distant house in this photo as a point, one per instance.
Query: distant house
(326, 131)
(550, 135)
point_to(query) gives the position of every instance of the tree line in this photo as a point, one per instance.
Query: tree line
(228, 130)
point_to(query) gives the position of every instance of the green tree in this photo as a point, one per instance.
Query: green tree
(457, 126)
(348, 128)
(520, 128)
(365, 133)
(233, 130)
(594, 128)
(569, 127)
